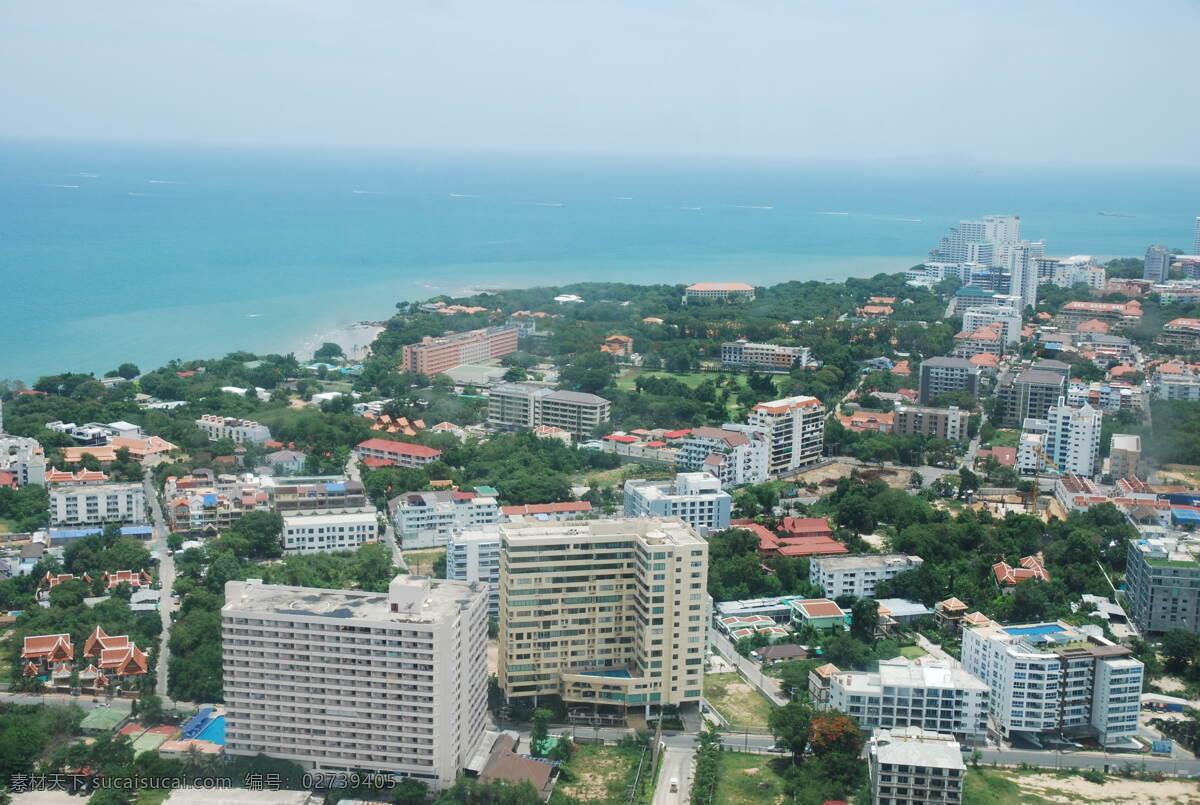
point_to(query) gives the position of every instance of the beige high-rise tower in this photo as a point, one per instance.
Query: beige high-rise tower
(603, 612)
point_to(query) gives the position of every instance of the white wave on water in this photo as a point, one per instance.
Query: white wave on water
(365, 192)
(87, 175)
(253, 315)
(753, 207)
(161, 181)
(833, 213)
(691, 208)
(622, 198)
(66, 186)
(147, 195)
(547, 204)
(462, 195)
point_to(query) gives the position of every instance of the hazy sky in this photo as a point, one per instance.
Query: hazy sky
(1096, 81)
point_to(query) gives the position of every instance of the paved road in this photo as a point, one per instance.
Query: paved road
(677, 765)
(769, 686)
(166, 574)
(86, 702)
(389, 535)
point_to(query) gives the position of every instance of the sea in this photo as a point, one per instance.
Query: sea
(145, 253)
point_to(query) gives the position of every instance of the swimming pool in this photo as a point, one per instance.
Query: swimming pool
(617, 673)
(214, 731)
(1045, 628)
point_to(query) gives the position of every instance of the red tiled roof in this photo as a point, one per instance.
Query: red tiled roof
(53, 647)
(804, 527)
(400, 448)
(612, 437)
(819, 608)
(374, 463)
(1031, 567)
(811, 546)
(677, 434)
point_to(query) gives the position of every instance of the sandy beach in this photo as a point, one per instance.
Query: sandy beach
(354, 339)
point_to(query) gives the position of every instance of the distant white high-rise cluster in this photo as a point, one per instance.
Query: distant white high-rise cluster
(994, 242)
(1196, 237)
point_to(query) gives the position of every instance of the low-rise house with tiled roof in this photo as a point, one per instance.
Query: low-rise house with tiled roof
(403, 454)
(950, 614)
(42, 654)
(134, 578)
(566, 510)
(1030, 568)
(820, 613)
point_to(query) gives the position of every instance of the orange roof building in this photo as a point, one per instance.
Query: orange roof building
(1030, 568)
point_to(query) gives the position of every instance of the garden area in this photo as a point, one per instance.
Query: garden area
(431, 562)
(737, 701)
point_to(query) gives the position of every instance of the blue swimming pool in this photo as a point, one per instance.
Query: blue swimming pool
(1045, 628)
(622, 673)
(214, 731)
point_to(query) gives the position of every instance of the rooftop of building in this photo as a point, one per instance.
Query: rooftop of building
(913, 746)
(948, 363)
(720, 286)
(1040, 377)
(864, 561)
(440, 599)
(668, 530)
(1130, 442)
(788, 403)
(922, 672)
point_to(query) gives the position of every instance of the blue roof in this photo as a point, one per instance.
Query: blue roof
(335, 487)
(973, 290)
(1185, 515)
(210, 500)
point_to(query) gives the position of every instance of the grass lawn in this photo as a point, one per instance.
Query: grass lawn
(600, 774)
(7, 527)
(421, 562)
(617, 475)
(627, 381)
(1006, 437)
(911, 652)
(748, 779)
(736, 700)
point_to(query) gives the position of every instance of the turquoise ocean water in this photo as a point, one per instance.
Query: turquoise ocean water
(111, 253)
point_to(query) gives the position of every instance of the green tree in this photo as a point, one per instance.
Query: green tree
(864, 615)
(262, 531)
(590, 372)
(790, 725)
(539, 731)
(329, 352)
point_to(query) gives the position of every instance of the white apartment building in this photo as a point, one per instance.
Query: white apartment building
(1053, 677)
(605, 613)
(988, 315)
(519, 406)
(771, 357)
(475, 556)
(1032, 446)
(857, 575)
(24, 458)
(913, 766)
(1021, 262)
(794, 428)
(926, 692)
(391, 682)
(95, 504)
(736, 454)
(694, 497)
(1073, 438)
(431, 519)
(242, 431)
(318, 531)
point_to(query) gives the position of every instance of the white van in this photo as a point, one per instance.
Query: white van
(674, 784)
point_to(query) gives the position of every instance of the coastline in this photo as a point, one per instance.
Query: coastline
(354, 339)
